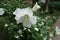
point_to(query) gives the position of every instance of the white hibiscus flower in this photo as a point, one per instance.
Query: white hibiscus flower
(57, 31)
(1, 11)
(25, 16)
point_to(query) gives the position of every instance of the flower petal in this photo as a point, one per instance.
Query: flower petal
(18, 12)
(33, 19)
(22, 12)
(27, 24)
(1, 11)
(19, 19)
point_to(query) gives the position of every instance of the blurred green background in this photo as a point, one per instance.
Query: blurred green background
(7, 33)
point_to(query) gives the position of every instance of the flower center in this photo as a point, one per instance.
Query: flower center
(26, 17)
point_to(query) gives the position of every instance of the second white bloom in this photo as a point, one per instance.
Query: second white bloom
(25, 16)
(57, 30)
(1, 11)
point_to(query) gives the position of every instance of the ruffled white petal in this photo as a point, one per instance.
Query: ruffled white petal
(33, 19)
(19, 19)
(27, 24)
(22, 12)
(18, 12)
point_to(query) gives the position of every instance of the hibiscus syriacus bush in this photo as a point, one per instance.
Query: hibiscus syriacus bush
(22, 23)
(25, 19)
